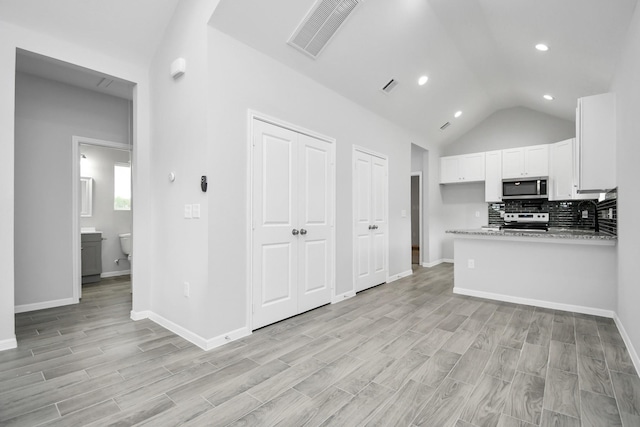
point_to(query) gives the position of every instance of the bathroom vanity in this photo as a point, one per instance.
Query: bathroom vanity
(91, 250)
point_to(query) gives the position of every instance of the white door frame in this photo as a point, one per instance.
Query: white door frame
(76, 141)
(419, 175)
(255, 115)
(353, 210)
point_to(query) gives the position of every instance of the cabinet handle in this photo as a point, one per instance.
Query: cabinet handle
(294, 232)
(303, 231)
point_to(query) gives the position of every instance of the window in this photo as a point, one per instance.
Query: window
(122, 187)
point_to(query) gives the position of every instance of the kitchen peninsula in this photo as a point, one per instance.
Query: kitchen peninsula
(560, 269)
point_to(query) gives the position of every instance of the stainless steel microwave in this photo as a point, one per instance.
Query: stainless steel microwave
(530, 188)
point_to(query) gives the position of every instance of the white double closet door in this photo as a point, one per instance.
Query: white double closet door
(371, 226)
(293, 216)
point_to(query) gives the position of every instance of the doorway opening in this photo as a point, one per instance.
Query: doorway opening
(416, 218)
(104, 211)
(54, 102)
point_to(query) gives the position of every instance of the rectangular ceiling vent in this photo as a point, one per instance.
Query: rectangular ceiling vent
(444, 126)
(321, 24)
(390, 86)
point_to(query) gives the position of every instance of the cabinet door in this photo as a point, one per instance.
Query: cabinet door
(91, 258)
(596, 141)
(536, 160)
(512, 163)
(561, 170)
(493, 176)
(449, 169)
(472, 167)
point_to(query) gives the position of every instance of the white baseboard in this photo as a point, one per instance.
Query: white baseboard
(139, 315)
(115, 273)
(45, 304)
(203, 343)
(538, 303)
(436, 262)
(342, 297)
(8, 344)
(399, 276)
(627, 341)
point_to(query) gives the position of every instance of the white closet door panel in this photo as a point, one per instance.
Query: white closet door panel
(370, 220)
(275, 256)
(315, 221)
(379, 213)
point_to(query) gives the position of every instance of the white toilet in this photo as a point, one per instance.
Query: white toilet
(125, 244)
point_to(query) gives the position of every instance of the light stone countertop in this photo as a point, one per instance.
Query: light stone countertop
(559, 233)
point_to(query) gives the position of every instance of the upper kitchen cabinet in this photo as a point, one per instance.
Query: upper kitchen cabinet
(493, 176)
(596, 143)
(464, 168)
(532, 161)
(563, 172)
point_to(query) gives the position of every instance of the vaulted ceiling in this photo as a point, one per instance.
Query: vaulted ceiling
(479, 55)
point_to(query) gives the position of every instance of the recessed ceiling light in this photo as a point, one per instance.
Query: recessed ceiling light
(548, 97)
(422, 80)
(542, 47)
(457, 114)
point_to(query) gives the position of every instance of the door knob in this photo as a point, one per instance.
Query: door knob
(294, 232)
(303, 231)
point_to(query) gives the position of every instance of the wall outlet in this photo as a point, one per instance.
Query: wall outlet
(188, 211)
(186, 289)
(195, 210)
(403, 213)
(471, 263)
(477, 214)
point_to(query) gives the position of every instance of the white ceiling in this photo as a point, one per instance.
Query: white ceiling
(479, 54)
(124, 29)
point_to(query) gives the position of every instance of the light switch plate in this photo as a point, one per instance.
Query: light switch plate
(403, 213)
(195, 210)
(187, 211)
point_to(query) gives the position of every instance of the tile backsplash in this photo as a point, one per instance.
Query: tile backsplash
(565, 214)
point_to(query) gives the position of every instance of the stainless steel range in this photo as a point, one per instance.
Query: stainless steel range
(526, 221)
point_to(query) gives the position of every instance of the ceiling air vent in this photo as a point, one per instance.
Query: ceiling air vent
(321, 24)
(390, 86)
(444, 126)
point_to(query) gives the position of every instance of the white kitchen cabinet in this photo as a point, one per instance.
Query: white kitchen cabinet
(563, 172)
(523, 162)
(596, 143)
(463, 168)
(493, 176)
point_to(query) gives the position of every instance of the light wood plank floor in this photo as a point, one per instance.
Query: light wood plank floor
(408, 353)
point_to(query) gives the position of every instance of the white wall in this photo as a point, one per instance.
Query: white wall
(12, 37)
(48, 114)
(509, 128)
(627, 89)
(99, 165)
(254, 81)
(181, 145)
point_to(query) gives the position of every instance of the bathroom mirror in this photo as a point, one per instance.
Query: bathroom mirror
(86, 196)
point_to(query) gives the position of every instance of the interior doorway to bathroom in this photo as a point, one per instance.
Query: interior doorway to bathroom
(104, 207)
